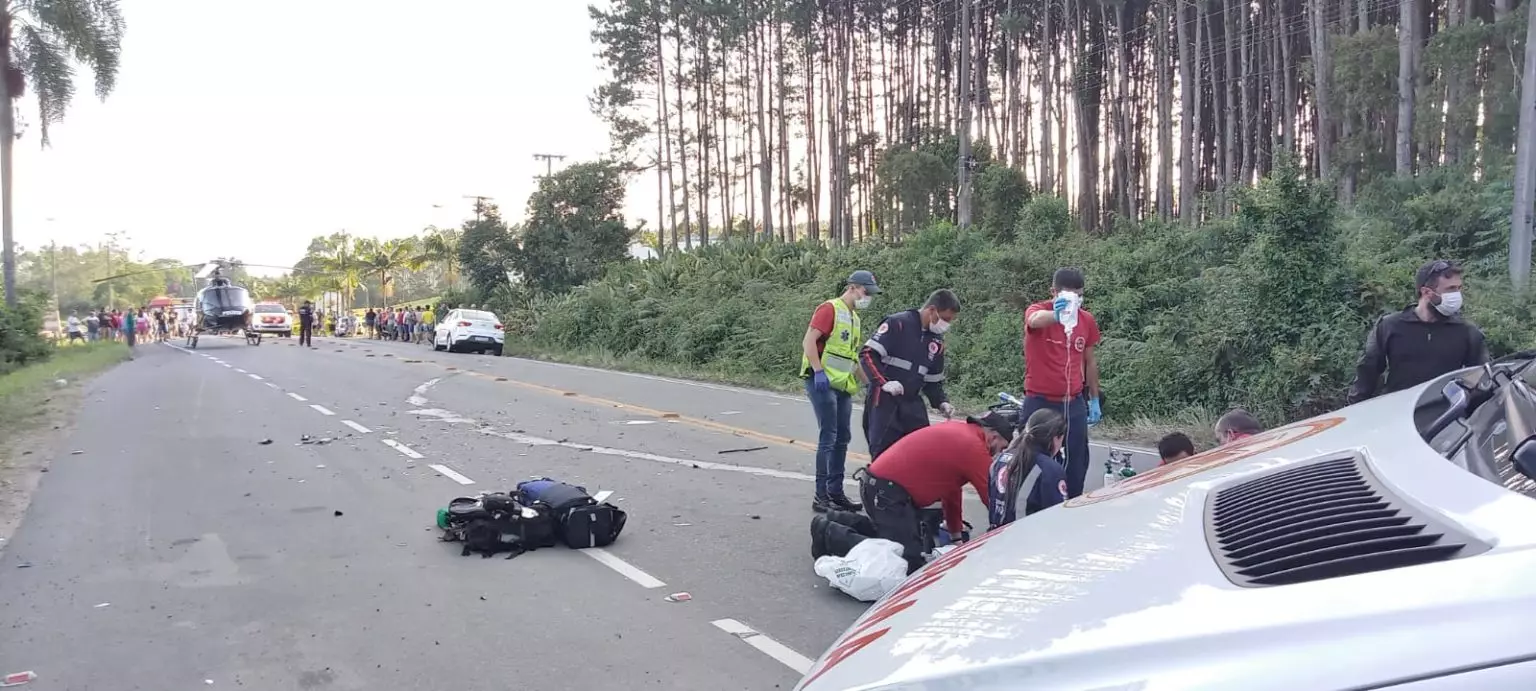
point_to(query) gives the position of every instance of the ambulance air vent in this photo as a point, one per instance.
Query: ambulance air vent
(1323, 520)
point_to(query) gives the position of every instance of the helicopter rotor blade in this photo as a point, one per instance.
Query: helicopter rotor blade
(145, 271)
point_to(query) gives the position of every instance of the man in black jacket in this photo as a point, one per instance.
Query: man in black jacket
(1423, 341)
(306, 323)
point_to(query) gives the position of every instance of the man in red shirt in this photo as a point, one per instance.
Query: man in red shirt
(930, 465)
(829, 366)
(1057, 371)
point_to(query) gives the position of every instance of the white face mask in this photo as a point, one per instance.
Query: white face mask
(863, 302)
(939, 326)
(1450, 303)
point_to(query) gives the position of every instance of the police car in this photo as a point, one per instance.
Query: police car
(1387, 545)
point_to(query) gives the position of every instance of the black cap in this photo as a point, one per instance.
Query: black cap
(1001, 423)
(1434, 271)
(864, 278)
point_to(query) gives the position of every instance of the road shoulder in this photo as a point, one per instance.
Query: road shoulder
(36, 415)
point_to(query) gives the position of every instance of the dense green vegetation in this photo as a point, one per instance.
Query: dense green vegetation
(1265, 309)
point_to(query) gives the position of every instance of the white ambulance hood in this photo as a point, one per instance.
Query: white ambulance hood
(1119, 589)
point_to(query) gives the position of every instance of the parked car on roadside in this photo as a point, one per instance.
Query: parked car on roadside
(464, 330)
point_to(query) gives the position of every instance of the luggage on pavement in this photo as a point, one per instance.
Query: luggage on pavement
(581, 520)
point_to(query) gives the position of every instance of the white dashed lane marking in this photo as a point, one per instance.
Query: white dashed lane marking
(257, 377)
(321, 409)
(624, 568)
(402, 448)
(772, 648)
(356, 426)
(451, 474)
(237, 369)
(296, 397)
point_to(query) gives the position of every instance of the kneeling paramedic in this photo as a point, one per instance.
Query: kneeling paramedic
(1027, 477)
(903, 359)
(931, 465)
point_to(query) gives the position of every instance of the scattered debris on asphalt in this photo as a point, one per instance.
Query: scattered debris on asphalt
(745, 450)
(264, 442)
(338, 513)
(679, 597)
(321, 466)
(18, 678)
(24, 565)
(61, 382)
(307, 439)
(756, 517)
(104, 604)
(76, 453)
(681, 525)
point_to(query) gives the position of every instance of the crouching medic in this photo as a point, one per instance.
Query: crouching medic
(1026, 477)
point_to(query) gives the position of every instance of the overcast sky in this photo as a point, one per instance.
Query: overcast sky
(242, 128)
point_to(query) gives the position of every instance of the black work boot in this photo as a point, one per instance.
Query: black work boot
(843, 503)
(819, 527)
(820, 504)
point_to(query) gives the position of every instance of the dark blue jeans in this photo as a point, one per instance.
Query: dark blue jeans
(834, 416)
(1076, 412)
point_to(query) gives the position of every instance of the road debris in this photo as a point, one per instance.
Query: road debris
(745, 450)
(338, 513)
(679, 597)
(76, 452)
(264, 442)
(18, 678)
(104, 604)
(321, 466)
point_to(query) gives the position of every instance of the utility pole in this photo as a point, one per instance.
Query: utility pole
(549, 162)
(964, 168)
(480, 201)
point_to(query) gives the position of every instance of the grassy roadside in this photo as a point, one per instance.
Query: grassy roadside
(23, 392)
(1139, 431)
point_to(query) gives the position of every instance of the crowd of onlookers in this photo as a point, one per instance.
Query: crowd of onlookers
(128, 326)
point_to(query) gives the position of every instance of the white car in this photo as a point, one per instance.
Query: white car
(466, 330)
(1391, 544)
(271, 318)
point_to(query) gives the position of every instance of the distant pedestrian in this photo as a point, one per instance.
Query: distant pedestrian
(1423, 341)
(75, 328)
(306, 323)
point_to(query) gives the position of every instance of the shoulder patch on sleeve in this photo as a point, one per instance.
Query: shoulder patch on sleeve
(884, 327)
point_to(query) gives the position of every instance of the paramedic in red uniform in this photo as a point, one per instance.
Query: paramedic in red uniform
(903, 361)
(1056, 372)
(930, 465)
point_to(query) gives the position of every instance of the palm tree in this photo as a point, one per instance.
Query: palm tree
(390, 256)
(441, 246)
(342, 261)
(42, 40)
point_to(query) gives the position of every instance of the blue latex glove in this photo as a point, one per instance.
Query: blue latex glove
(819, 380)
(1059, 306)
(1095, 413)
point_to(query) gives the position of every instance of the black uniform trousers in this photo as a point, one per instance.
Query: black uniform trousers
(888, 418)
(895, 517)
(306, 330)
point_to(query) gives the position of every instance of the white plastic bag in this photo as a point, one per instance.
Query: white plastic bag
(872, 568)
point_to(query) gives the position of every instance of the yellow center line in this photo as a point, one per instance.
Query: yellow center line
(699, 422)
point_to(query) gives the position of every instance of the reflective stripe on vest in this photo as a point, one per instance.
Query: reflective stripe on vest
(839, 359)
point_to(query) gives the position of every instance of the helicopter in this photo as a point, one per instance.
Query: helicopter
(221, 307)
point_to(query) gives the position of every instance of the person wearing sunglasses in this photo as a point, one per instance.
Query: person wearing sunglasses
(1423, 341)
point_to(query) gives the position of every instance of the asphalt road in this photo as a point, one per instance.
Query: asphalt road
(169, 547)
